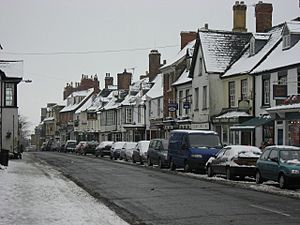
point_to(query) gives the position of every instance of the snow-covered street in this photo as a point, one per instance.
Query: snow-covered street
(31, 193)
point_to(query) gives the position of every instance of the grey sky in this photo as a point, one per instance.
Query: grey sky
(40, 26)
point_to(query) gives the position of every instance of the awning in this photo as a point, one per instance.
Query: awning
(252, 123)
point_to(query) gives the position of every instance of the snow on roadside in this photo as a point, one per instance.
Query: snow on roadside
(31, 193)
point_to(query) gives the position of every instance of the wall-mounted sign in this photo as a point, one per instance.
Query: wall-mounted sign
(173, 106)
(279, 91)
(186, 105)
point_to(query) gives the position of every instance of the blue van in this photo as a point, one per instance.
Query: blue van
(190, 149)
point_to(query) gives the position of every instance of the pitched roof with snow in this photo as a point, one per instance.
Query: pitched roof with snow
(183, 79)
(293, 27)
(247, 62)
(75, 105)
(220, 48)
(112, 101)
(280, 57)
(186, 51)
(156, 90)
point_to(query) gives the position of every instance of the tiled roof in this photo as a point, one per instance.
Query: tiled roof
(220, 48)
(246, 63)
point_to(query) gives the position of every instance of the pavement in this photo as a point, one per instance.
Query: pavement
(33, 193)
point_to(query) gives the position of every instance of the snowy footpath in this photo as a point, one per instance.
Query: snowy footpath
(32, 193)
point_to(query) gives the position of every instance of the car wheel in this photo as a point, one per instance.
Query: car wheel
(229, 175)
(149, 162)
(101, 155)
(161, 164)
(111, 157)
(258, 178)
(187, 167)
(133, 160)
(172, 165)
(210, 172)
(282, 181)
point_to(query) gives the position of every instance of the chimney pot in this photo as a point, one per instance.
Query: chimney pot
(206, 26)
(263, 14)
(239, 17)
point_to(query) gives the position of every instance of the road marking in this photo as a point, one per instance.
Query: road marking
(270, 210)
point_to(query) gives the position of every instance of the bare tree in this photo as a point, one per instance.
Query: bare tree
(24, 132)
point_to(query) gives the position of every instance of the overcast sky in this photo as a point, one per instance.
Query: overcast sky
(113, 29)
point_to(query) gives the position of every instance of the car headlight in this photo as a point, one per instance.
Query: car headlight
(295, 171)
(196, 156)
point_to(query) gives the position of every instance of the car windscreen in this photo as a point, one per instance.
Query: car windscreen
(165, 144)
(71, 145)
(199, 140)
(290, 156)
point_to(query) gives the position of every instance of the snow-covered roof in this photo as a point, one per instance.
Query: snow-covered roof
(186, 51)
(157, 89)
(72, 107)
(12, 68)
(293, 27)
(220, 48)
(262, 36)
(247, 62)
(48, 119)
(85, 106)
(284, 107)
(184, 78)
(233, 114)
(112, 101)
(279, 58)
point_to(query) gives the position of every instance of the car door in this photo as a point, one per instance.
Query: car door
(272, 165)
(216, 162)
(262, 163)
(151, 151)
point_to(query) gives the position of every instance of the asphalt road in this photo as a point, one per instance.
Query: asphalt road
(149, 196)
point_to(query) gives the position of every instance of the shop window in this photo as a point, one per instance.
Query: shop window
(294, 132)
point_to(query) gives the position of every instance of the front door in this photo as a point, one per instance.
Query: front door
(246, 138)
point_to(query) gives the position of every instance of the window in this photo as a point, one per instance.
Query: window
(196, 98)
(149, 109)
(187, 99)
(225, 134)
(110, 117)
(128, 114)
(158, 107)
(231, 87)
(10, 97)
(139, 114)
(266, 90)
(180, 102)
(204, 100)
(282, 77)
(273, 155)
(252, 46)
(200, 66)
(286, 41)
(298, 72)
(244, 89)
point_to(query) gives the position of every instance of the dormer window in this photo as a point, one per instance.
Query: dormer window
(286, 41)
(252, 46)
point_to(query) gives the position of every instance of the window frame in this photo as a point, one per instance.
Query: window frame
(196, 98)
(244, 89)
(12, 97)
(266, 94)
(231, 94)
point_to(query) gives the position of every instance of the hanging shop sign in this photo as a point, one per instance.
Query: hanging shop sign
(172, 106)
(186, 105)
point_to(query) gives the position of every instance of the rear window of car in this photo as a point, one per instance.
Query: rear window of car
(265, 154)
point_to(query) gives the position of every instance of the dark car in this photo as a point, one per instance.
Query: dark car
(281, 164)
(70, 146)
(103, 148)
(158, 153)
(116, 149)
(89, 148)
(140, 152)
(234, 160)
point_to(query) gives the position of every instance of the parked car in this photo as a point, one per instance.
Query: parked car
(70, 146)
(190, 149)
(80, 146)
(279, 163)
(129, 146)
(234, 160)
(116, 149)
(89, 147)
(103, 148)
(158, 153)
(140, 152)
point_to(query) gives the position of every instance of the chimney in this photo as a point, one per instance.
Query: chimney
(154, 64)
(239, 17)
(108, 80)
(186, 37)
(263, 14)
(124, 80)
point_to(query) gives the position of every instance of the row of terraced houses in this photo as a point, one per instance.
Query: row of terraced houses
(244, 85)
